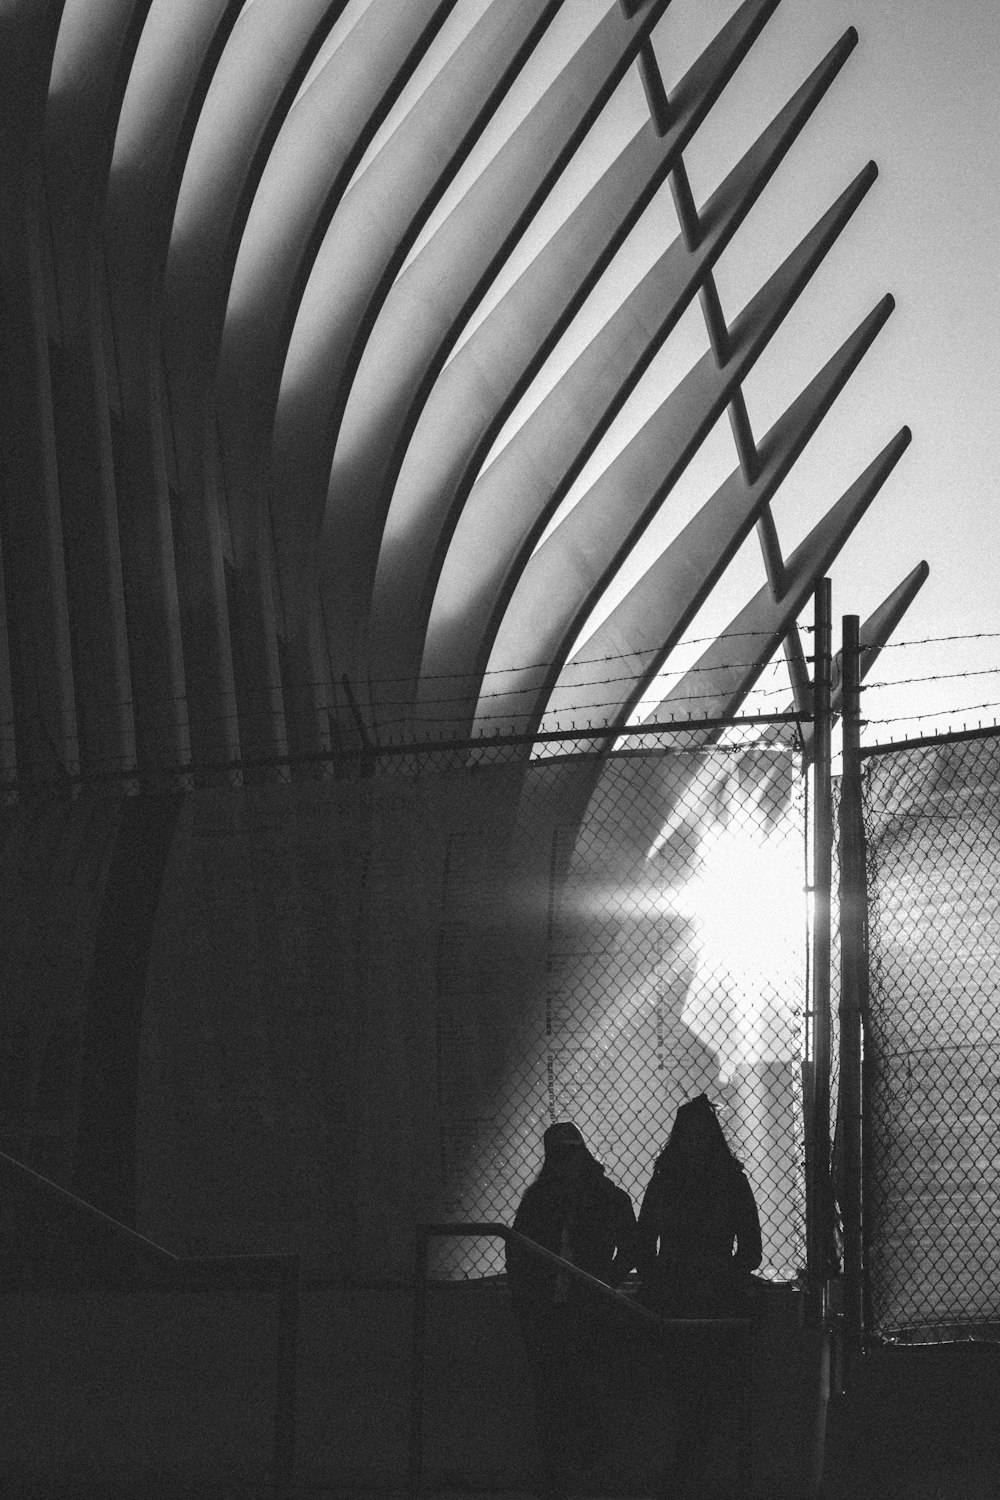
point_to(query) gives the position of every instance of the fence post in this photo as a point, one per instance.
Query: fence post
(853, 985)
(418, 1358)
(285, 1374)
(819, 1205)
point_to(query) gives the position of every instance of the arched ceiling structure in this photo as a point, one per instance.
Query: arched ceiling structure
(272, 290)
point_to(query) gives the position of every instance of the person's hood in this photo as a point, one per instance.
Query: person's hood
(562, 1133)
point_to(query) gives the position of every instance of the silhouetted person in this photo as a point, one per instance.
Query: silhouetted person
(572, 1209)
(699, 1241)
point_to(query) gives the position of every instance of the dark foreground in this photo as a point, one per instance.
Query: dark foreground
(918, 1424)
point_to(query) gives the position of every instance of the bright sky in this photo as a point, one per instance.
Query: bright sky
(919, 96)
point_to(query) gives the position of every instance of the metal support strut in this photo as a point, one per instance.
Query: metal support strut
(852, 989)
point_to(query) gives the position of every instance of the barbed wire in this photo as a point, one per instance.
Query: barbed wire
(933, 640)
(398, 735)
(248, 693)
(582, 661)
(935, 713)
(586, 683)
(769, 663)
(421, 713)
(588, 661)
(579, 708)
(407, 727)
(758, 693)
(592, 661)
(935, 677)
(757, 733)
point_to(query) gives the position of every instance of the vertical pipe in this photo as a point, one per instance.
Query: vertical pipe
(865, 1109)
(852, 928)
(818, 1198)
(415, 1475)
(798, 672)
(815, 1481)
(747, 1455)
(285, 1383)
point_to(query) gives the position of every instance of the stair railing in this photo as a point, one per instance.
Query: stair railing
(424, 1233)
(169, 1272)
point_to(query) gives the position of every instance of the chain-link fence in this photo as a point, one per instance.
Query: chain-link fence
(932, 1043)
(372, 981)
(653, 943)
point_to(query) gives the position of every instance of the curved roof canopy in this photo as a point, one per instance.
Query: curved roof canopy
(308, 345)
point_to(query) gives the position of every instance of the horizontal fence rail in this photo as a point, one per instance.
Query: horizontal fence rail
(386, 755)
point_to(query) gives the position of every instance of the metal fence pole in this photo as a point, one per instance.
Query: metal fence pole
(819, 1225)
(418, 1357)
(285, 1375)
(852, 986)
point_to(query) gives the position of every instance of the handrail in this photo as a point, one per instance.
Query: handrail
(508, 1235)
(424, 1233)
(279, 1271)
(89, 1210)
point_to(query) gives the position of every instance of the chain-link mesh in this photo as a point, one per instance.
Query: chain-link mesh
(932, 820)
(660, 936)
(419, 957)
(836, 1155)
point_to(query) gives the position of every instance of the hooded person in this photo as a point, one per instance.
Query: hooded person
(699, 1230)
(698, 1242)
(574, 1210)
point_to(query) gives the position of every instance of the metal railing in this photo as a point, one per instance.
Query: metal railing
(156, 1268)
(424, 1233)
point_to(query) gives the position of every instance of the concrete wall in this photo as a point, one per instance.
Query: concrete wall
(135, 1393)
(131, 1393)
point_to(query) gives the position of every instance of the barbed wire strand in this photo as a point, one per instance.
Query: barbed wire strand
(662, 676)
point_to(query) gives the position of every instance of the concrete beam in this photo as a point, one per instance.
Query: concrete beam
(509, 504)
(430, 304)
(178, 53)
(315, 156)
(473, 395)
(94, 54)
(267, 57)
(653, 616)
(718, 683)
(567, 575)
(38, 721)
(368, 239)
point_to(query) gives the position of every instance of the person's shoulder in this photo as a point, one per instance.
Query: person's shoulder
(528, 1202)
(614, 1192)
(740, 1179)
(654, 1183)
(532, 1193)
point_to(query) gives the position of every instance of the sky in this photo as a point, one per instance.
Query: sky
(919, 96)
